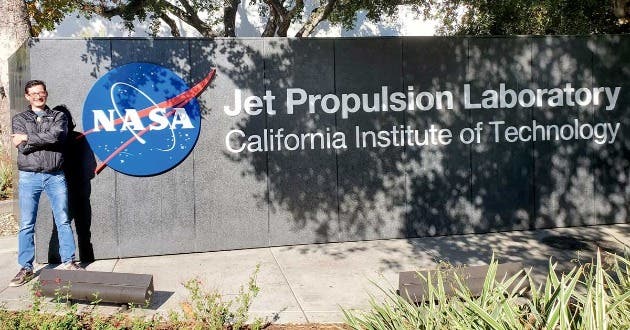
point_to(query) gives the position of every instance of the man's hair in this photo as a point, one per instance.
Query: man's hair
(32, 83)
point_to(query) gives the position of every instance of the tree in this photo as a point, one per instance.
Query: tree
(532, 17)
(213, 18)
(14, 30)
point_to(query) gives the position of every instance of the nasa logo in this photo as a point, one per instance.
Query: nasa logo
(142, 119)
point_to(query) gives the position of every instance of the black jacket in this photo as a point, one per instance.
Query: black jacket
(43, 152)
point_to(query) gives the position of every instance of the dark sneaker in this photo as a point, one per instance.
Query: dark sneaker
(71, 265)
(22, 277)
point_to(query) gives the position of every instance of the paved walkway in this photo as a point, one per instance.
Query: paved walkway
(309, 283)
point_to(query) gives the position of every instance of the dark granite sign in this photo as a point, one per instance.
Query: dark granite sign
(325, 140)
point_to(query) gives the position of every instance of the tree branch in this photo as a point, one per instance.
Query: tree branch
(229, 17)
(299, 6)
(318, 15)
(103, 10)
(134, 8)
(281, 17)
(275, 4)
(289, 17)
(171, 23)
(189, 15)
(33, 30)
(272, 24)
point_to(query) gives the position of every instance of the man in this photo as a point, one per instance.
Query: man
(39, 134)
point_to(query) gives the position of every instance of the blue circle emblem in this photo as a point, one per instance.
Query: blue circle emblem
(141, 119)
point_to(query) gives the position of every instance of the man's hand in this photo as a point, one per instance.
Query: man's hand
(18, 138)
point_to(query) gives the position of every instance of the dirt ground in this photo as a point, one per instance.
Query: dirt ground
(314, 326)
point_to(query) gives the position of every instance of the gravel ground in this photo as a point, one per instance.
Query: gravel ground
(8, 225)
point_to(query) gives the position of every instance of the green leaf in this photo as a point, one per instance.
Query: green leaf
(487, 318)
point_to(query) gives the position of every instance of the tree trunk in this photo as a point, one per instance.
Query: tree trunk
(229, 17)
(272, 24)
(14, 30)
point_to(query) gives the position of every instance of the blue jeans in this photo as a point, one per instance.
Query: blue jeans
(31, 185)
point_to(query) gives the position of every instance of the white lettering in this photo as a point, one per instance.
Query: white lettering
(228, 138)
(158, 116)
(102, 121)
(181, 118)
(467, 103)
(291, 101)
(132, 121)
(237, 105)
(612, 97)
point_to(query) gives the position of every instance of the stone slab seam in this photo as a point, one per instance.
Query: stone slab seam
(289, 285)
(115, 264)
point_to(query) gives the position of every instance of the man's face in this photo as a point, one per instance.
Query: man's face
(36, 96)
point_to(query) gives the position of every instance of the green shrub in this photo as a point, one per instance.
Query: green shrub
(590, 296)
(202, 310)
(209, 309)
(6, 175)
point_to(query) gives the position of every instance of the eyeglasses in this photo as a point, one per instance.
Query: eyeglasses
(42, 94)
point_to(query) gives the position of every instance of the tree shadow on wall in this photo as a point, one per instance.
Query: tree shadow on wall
(480, 187)
(417, 191)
